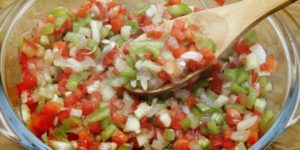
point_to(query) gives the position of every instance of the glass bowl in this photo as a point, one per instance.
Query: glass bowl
(277, 34)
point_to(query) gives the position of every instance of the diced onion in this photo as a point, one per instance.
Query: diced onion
(108, 146)
(240, 146)
(247, 123)
(152, 66)
(76, 112)
(144, 84)
(107, 92)
(61, 145)
(259, 51)
(25, 112)
(240, 136)
(96, 28)
(142, 110)
(94, 87)
(154, 110)
(165, 119)
(126, 32)
(85, 31)
(252, 62)
(132, 124)
(192, 55)
(220, 101)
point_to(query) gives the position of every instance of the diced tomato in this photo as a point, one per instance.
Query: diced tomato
(232, 116)
(193, 65)
(191, 31)
(216, 141)
(227, 133)
(83, 53)
(216, 84)
(253, 138)
(173, 2)
(29, 82)
(116, 23)
(116, 104)
(177, 119)
(64, 114)
(32, 105)
(83, 11)
(229, 145)
(112, 4)
(270, 65)
(254, 77)
(65, 27)
(193, 135)
(50, 19)
(159, 123)
(119, 138)
(120, 91)
(118, 119)
(29, 47)
(241, 48)
(108, 58)
(177, 52)
(181, 144)
(126, 48)
(148, 55)
(155, 34)
(62, 86)
(63, 48)
(50, 109)
(145, 124)
(133, 141)
(191, 101)
(215, 69)
(135, 105)
(89, 106)
(40, 123)
(242, 98)
(102, 10)
(72, 137)
(85, 140)
(95, 127)
(178, 30)
(220, 2)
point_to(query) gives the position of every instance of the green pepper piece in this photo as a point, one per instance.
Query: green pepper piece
(197, 112)
(72, 82)
(44, 40)
(130, 61)
(47, 29)
(240, 108)
(266, 120)
(236, 89)
(59, 21)
(179, 9)
(204, 143)
(124, 147)
(203, 107)
(213, 128)
(186, 123)
(138, 47)
(60, 11)
(108, 132)
(218, 118)
(98, 115)
(212, 94)
(105, 122)
(252, 96)
(67, 123)
(128, 74)
(142, 11)
(169, 134)
(250, 37)
(209, 43)
(231, 74)
(59, 134)
(243, 75)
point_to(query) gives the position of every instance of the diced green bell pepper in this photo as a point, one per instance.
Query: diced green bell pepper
(139, 47)
(59, 134)
(72, 82)
(213, 128)
(186, 123)
(197, 112)
(130, 61)
(67, 123)
(44, 40)
(169, 134)
(236, 89)
(47, 29)
(98, 115)
(128, 74)
(108, 132)
(204, 143)
(60, 11)
(179, 9)
(59, 21)
(252, 96)
(250, 37)
(240, 108)
(124, 147)
(266, 120)
(209, 43)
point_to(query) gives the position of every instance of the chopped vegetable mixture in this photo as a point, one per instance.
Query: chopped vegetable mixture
(75, 66)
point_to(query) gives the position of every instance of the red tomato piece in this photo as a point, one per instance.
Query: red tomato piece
(216, 84)
(119, 138)
(178, 30)
(173, 2)
(241, 48)
(181, 144)
(40, 123)
(85, 140)
(270, 65)
(32, 105)
(193, 135)
(63, 48)
(191, 101)
(177, 119)
(254, 77)
(83, 11)
(83, 53)
(108, 58)
(89, 106)
(155, 34)
(72, 137)
(118, 119)
(64, 114)
(216, 141)
(164, 75)
(232, 116)
(220, 2)
(95, 127)
(50, 109)
(116, 23)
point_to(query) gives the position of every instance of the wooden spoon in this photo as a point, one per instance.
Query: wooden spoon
(224, 25)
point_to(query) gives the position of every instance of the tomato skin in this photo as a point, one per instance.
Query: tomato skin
(177, 119)
(29, 82)
(116, 23)
(85, 140)
(108, 59)
(181, 144)
(232, 116)
(241, 48)
(145, 124)
(216, 84)
(40, 123)
(159, 123)
(50, 109)
(95, 127)
(164, 75)
(270, 65)
(89, 106)
(120, 138)
(191, 101)
(32, 105)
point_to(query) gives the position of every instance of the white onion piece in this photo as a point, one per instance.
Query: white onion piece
(85, 31)
(76, 112)
(87, 63)
(70, 62)
(160, 142)
(107, 146)
(144, 84)
(25, 112)
(121, 65)
(151, 10)
(133, 83)
(139, 65)
(192, 55)
(167, 55)
(96, 28)
(107, 92)
(142, 110)
(95, 10)
(259, 51)
(154, 110)
(81, 39)
(132, 124)
(220, 101)
(247, 123)
(24, 97)
(94, 87)
(126, 32)
(165, 119)
(173, 42)
(240, 136)
(158, 15)
(153, 67)
(240, 146)
(143, 75)
(61, 145)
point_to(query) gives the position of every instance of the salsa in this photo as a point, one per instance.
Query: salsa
(75, 66)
